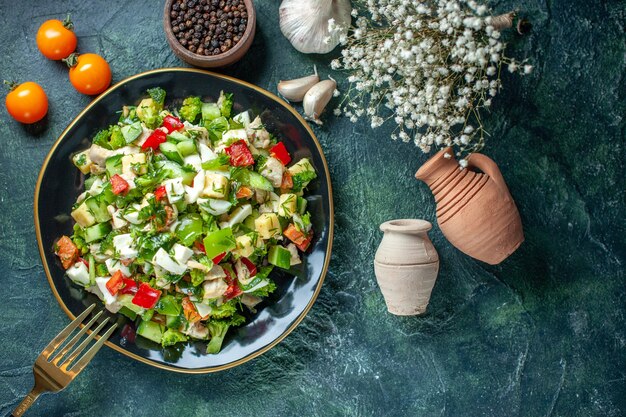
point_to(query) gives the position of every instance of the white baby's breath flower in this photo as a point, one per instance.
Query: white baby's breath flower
(528, 69)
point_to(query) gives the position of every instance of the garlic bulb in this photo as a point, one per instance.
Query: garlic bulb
(294, 90)
(317, 98)
(308, 25)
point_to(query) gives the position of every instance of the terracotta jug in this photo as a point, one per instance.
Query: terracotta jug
(406, 266)
(475, 210)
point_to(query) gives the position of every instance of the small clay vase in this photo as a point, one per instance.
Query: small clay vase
(475, 210)
(406, 266)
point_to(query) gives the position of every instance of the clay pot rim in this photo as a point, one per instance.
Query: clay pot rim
(426, 168)
(408, 226)
(405, 266)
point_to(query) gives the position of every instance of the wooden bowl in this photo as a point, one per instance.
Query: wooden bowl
(213, 61)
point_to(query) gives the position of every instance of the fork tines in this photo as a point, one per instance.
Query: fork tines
(61, 353)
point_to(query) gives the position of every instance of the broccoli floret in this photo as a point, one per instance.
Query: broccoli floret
(171, 337)
(218, 329)
(158, 95)
(148, 112)
(301, 179)
(192, 107)
(225, 103)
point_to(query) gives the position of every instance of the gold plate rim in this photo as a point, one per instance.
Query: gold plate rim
(318, 288)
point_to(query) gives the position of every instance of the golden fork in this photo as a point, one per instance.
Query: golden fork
(55, 368)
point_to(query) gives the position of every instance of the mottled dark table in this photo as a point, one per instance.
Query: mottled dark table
(543, 334)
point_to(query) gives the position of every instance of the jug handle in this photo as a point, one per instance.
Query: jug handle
(486, 165)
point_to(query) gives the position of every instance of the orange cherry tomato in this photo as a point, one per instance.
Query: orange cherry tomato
(89, 73)
(27, 102)
(55, 39)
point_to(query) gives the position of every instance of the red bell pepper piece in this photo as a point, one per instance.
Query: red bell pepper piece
(233, 289)
(239, 153)
(146, 296)
(115, 283)
(84, 261)
(160, 193)
(251, 267)
(172, 123)
(279, 152)
(200, 246)
(218, 258)
(118, 185)
(130, 286)
(154, 140)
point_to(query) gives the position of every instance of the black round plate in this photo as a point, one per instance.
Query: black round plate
(60, 183)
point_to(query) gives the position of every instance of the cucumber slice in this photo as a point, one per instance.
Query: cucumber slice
(113, 165)
(171, 152)
(98, 208)
(253, 179)
(97, 232)
(151, 330)
(301, 205)
(173, 322)
(131, 132)
(279, 257)
(174, 170)
(176, 137)
(186, 148)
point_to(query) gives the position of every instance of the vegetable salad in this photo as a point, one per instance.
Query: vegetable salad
(184, 215)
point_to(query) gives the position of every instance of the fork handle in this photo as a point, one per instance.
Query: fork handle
(29, 400)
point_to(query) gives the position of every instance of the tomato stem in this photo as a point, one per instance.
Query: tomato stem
(71, 60)
(12, 85)
(67, 23)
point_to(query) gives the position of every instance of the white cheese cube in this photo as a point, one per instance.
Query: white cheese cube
(181, 253)
(192, 193)
(203, 309)
(206, 154)
(195, 161)
(287, 205)
(267, 226)
(175, 189)
(237, 216)
(124, 246)
(107, 297)
(213, 206)
(116, 217)
(232, 136)
(113, 265)
(273, 170)
(164, 260)
(82, 161)
(79, 274)
(302, 165)
(215, 186)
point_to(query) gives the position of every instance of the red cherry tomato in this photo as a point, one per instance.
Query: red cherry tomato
(55, 39)
(27, 102)
(89, 73)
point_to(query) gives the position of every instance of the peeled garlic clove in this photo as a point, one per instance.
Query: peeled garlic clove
(294, 90)
(316, 99)
(306, 23)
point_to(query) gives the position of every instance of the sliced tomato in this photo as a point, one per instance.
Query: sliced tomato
(243, 192)
(279, 152)
(239, 153)
(67, 252)
(115, 283)
(118, 185)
